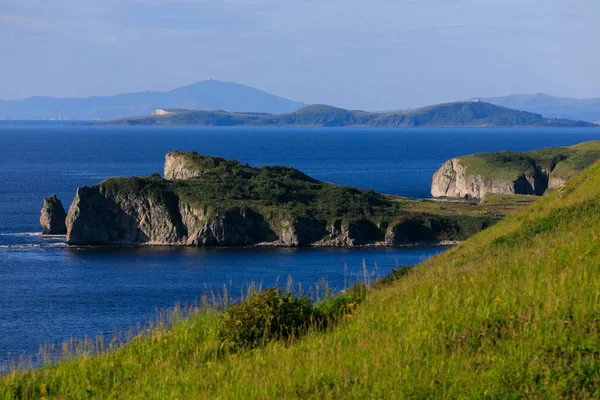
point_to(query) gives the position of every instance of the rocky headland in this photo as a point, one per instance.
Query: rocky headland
(211, 201)
(531, 173)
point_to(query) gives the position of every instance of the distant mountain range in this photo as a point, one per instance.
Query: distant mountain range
(551, 107)
(208, 94)
(236, 104)
(460, 114)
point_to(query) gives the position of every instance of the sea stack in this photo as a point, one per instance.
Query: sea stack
(53, 216)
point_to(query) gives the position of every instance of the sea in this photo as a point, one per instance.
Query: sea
(50, 293)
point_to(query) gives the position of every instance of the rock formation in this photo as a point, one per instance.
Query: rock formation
(179, 165)
(531, 173)
(209, 201)
(97, 217)
(53, 216)
(453, 180)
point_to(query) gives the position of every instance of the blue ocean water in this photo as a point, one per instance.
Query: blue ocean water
(49, 292)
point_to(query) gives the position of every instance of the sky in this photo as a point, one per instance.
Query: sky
(367, 54)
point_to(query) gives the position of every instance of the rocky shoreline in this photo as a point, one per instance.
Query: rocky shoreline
(212, 202)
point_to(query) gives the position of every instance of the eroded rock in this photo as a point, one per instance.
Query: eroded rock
(52, 218)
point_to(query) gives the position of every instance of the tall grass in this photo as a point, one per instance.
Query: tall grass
(513, 312)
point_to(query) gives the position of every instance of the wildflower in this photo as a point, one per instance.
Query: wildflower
(425, 332)
(208, 364)
(511, 316)
(498, 300)
(43, 389)
(165, 341)
(218, 374)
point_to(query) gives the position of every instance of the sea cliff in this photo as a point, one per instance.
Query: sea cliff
(531, 173)
(210, 201)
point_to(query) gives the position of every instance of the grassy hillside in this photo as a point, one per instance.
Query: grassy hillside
(469, 113)
(511, 313)
(562, 162)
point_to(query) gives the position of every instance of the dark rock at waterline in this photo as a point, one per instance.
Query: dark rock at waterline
(53, 217)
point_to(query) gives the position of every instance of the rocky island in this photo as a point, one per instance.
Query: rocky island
(531, 173)
(211, 201)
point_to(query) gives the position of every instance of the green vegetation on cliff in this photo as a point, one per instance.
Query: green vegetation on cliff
(510, 313)
(560, 162)
(280, 196)
(465, 113)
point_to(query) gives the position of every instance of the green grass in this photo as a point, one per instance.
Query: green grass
(562, 162)
(512, 313)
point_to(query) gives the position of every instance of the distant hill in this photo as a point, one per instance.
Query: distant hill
(551, 107)
(460, 114)
(209, 94)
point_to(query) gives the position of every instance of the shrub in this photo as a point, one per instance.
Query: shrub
(269, 315)
(264, 316)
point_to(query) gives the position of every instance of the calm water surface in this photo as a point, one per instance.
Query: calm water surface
(49, 292)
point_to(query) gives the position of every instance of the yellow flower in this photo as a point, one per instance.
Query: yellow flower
(208, 364)
(511, 316)
(218, 374)
(43, 389)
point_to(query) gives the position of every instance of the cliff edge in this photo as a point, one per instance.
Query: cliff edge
(531, 173)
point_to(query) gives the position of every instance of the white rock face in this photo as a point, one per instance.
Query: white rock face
(178, 167)
(160, 111)
(453, 180)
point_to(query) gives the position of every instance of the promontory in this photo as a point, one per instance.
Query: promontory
(531, 173)
(211, 201)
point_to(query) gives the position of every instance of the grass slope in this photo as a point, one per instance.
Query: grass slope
(513, 312)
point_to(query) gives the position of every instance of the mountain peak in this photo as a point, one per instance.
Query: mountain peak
(208, 94)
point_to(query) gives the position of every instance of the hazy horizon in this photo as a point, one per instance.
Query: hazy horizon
(380, 55)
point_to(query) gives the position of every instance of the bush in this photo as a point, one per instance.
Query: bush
(264, 316)
(269, 315)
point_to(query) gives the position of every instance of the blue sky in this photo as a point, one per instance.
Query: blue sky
(374, 55)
